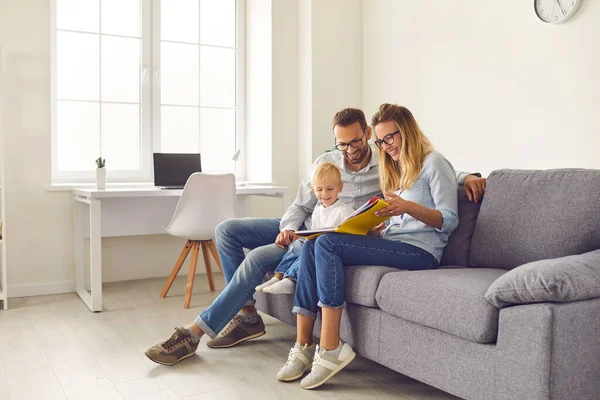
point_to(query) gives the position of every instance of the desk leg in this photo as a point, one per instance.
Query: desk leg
(78, 245)
(96, 255)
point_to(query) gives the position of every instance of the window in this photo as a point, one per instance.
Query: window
(133, 77)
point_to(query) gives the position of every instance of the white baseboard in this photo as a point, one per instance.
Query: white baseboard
(40, 289)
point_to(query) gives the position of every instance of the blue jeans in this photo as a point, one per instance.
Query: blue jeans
(290, 263)
(242, 272)
(321, 275)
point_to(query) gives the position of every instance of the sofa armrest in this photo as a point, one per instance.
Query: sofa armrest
(555, 280)
(549, 351)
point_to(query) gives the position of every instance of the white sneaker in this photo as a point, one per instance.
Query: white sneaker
(284, 286)
(298, 362)
(326, 364)
(270, 282)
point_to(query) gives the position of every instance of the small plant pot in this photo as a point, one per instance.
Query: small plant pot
(100, 178)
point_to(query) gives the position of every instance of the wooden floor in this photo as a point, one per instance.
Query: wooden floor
(53, 347)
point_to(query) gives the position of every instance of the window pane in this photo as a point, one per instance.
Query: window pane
(179, 130)
(78, 127)
(217, 22)
(121, 17)
(121, 136)
(121, 61)
(217, 79)
(179, 74)
(78, 15)
(217, 139)
(179, 20)
(78, 66)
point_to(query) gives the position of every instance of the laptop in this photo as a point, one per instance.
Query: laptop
(172, 170)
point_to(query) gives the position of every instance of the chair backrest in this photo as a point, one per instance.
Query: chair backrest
(207, 200)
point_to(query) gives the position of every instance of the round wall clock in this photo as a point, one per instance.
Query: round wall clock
(555, 11)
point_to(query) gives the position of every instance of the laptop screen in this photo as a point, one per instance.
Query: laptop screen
(171, 169)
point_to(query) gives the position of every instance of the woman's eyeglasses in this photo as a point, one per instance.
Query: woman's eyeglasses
(387, 139)
(355, 144)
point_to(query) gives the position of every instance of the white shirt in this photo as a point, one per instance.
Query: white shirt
(332, 216)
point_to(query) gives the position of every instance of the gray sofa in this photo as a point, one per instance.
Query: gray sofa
(441, 327)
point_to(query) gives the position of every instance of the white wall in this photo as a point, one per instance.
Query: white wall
(40, 223)
(489, 83)
(330, 71)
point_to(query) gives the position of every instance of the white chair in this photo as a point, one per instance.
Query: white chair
(207, 199)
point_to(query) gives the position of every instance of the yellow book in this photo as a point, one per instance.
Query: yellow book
(358, 223)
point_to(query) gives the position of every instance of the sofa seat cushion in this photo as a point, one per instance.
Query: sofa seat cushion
(450, 299)
(362, 282)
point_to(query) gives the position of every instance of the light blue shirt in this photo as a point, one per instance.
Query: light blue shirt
(435, 188)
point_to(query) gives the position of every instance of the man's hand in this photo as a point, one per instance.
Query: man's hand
(474, 187)
(285, 238)
(376, 231)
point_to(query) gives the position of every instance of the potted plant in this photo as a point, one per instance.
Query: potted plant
(101, 173)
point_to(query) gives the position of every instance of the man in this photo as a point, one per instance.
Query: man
(233, 313)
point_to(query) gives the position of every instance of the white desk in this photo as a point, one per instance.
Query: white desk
(132, 212)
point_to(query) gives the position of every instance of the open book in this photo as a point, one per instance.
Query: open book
(359, 222)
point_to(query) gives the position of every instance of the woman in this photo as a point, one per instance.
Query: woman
(421, 189)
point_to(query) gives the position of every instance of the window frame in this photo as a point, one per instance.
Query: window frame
(149, 100)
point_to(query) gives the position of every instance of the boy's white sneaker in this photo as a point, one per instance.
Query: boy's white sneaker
(284, 286)
(298, 362)
(326, 364)
(270, 282)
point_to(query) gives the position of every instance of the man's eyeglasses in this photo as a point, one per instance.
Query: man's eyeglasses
(355, 144)
(387, 139)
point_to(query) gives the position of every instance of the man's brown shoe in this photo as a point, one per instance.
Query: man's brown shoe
(177, 348)
(239, 330)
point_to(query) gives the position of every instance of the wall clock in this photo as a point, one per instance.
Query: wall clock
(555, 11)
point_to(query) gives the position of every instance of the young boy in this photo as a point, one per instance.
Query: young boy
(326, 183)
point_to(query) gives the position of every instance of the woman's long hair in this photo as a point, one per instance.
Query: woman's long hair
(414, 148)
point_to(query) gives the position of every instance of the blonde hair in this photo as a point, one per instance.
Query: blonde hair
(325, 170)
(414, 147)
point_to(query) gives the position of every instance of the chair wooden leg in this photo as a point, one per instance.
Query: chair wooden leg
(176, 268)
(190, 281)
(205, 250)
(215, 253)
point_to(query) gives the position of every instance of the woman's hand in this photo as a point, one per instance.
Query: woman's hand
(397, 205)
(285, 238)
(376, 231)
(474, 187)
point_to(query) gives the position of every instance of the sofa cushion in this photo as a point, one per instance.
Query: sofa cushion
(362, 283)
(556, 280)
(450, 300)
(458, 249)
(534, 215)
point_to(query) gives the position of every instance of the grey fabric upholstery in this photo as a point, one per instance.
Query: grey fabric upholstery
(450, 300)
(534, 215)
(437, 327)
(362, 283)
(548, 351)
(450, 363)
(556, 280)
(458, 249)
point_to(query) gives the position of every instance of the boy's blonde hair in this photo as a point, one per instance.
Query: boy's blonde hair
(326, 170)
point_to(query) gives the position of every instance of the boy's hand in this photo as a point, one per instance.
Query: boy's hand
(285, 238)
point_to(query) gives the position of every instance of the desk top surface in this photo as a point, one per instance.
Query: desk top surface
(152, 191)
